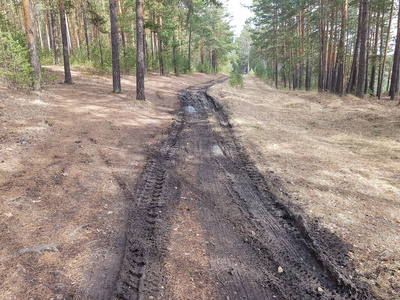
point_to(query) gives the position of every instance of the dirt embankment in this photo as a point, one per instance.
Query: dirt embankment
(69, 159)
(336, 158)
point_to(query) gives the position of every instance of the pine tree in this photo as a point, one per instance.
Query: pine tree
(32, 46)
(115, 50)
(140, 67)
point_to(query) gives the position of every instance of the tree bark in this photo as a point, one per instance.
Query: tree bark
(363, 49)
(140, 67)
(85, 28)
(341, 52)
(114, 47)
(394, 82)
(190, 48)
(380, 83)
(322, 62)
(353, 73)
(67, 69)
(160, 42)
(375, 54)
(32, 46)
(56, 41)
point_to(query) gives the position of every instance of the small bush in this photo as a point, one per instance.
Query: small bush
(260, 71)
(14, 61)
(236, 79)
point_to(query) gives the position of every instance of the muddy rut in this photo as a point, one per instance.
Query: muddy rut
(203, 224)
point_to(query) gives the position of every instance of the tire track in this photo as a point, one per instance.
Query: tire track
(256, 247)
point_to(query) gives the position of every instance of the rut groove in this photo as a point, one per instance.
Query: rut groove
(256, 248)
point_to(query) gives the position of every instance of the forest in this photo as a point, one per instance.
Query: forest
(263, 163)
(173, 37)
(333, 46)
(340, 47)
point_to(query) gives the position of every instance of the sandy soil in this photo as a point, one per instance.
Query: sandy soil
(336, 158)
(69, 159)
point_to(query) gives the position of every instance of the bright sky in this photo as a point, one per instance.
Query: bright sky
(239, 13)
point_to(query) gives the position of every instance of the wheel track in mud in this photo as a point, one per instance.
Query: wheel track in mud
(256, 233)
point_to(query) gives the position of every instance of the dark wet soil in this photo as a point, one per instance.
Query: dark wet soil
(254, 246)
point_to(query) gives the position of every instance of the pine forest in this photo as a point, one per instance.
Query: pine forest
(199, 149)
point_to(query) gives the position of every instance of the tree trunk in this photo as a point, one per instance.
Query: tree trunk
(363, 49)
(369, 38)
(56, 41)
(276, 46)
(190, 48)
(114, 47)
(69, 41)
(341, 52)
(47, 26)
(140, 68)
(375, 54)
(39, 28)
(380, 83)
(202, 53)
(321, 66)
(33, 51)
(174, 50)
(85, 28)
(160, 42)
(353, 73)
(394, 82)
(67, 69)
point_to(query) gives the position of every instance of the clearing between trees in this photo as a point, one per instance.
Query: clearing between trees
(294, 195)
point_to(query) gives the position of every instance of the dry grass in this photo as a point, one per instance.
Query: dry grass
(339, 160)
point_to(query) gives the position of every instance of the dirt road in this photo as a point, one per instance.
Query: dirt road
(203, 225)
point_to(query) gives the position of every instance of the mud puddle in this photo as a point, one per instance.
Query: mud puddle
(204, 226)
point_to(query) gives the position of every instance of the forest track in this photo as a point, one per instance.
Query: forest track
(201, 189)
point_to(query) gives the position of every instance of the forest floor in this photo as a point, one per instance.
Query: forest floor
(64, 154)
(104, 196)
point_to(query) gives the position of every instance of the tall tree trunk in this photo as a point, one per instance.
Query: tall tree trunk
(121, 5)
(375, 54)
(202, 53)
(380, 83)
(47, 27)
(140, 67)
(276, 46)
(56, 41)
(69, 40)
(363, 49)
(381, 53)
(67, 69)
(33, 51)
(308, 64)
(394, 82)
(353, 73)
(322, 64)
(160, 42)
(39, 27)
(369, 38)
(114, 46)
(190, 48)
(174, 50)
(85, 28)
(341, 51)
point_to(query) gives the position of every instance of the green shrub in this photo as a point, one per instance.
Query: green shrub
(236, 79)
(14, 60)
(260, 71)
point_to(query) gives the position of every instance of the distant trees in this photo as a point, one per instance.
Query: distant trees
(176, 36)
(336, 46)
